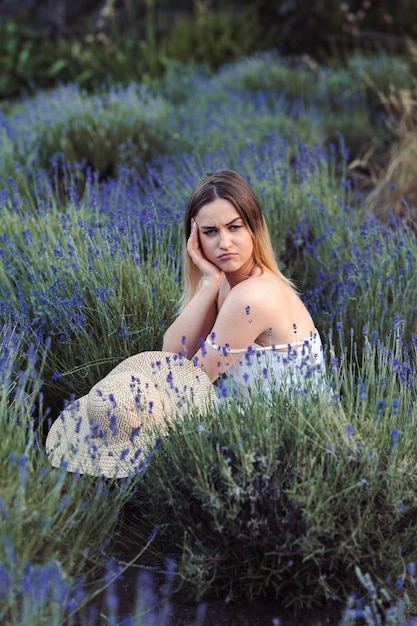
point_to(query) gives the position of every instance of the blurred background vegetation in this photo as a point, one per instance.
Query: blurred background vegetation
(94, 43)
(97, 45)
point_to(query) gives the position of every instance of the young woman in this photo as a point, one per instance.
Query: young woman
(241, 321)
(240, 318)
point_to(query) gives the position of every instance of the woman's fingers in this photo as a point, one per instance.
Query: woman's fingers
(193, 243)
(196, 253)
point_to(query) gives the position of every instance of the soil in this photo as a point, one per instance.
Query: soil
(213, 611)
(217, 612)
(260, 613)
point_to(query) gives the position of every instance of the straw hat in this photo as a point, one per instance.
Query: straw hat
(109, 431)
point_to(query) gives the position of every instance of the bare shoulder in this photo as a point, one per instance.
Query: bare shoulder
(272, 307)
(262, 288)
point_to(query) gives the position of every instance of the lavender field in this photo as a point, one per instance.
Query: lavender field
(304, 502)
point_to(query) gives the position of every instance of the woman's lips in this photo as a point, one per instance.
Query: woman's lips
(227, 255)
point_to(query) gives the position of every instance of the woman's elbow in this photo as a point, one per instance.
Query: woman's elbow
(212, 370)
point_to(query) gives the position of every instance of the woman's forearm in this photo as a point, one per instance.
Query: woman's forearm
(194, 322)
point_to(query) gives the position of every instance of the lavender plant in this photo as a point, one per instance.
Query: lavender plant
(103, 130)
(56, 527)
(93, 130)
(369, 273)
(376, 608)
(110, 263)
(285, 496)
(105, 272)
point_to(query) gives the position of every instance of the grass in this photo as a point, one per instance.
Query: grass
(301, 500)
(297, 492)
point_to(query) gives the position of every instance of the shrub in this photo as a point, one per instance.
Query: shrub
(337, 99)
(268, 72)
(100, 131)
(358, 137)
(287, 496)
(105, 283)
(213, 37)
(379, 72)
(369, 278)
(42, 511)
(181, 81)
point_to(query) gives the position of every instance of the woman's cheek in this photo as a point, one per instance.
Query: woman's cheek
(206, 249)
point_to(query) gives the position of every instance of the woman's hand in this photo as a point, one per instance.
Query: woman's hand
(207, 269)
(197, 318)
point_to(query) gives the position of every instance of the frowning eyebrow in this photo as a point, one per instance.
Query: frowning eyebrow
(235, 219)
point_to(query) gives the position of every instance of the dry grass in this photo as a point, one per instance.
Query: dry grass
(389, 172)
(396, 190)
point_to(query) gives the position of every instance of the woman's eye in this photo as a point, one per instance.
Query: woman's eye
(210, 232)
(235, 227)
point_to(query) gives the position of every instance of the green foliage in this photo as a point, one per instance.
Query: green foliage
(130, 44)
(117, 284)
(91, 60)
(214, 37)
(101, 131)
(17, 50)
(42, 511)
(318, 27)
(286, 496)
(270, 72)
(380, 71)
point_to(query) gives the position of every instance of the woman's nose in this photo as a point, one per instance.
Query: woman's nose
(224, 239)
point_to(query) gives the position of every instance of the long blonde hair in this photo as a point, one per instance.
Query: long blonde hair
(228, 185)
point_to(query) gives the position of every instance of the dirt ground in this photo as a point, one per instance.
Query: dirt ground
(260, 613)
(217, 612)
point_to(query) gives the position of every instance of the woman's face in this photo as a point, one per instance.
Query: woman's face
(225, 240)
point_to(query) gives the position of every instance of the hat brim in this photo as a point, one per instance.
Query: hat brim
(73, 444)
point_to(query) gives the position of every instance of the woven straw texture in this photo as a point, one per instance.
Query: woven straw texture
(109, 431)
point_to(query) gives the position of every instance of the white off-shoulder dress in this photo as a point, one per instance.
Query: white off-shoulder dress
(297, 367)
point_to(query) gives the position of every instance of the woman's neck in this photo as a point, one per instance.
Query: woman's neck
(234, 278)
